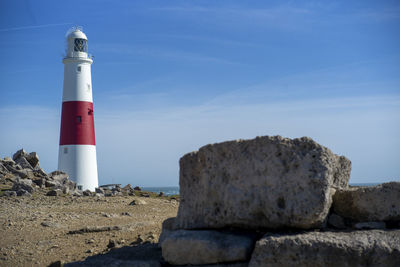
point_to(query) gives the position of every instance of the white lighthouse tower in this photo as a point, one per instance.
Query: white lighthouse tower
(77, 152)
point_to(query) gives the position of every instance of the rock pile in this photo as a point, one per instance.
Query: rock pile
(274, 201)
(24, 174)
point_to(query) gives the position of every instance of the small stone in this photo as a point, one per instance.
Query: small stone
(139, 239)
(99, 190)
(10, 194)
(54, 193)
(90, 241)
(49, 224)
(89, 251)
(128, 187)
(49, 183)
(87, 193)
(111, 243)
(137, 188)
(56, 264)
(126, 214)
(137, 202)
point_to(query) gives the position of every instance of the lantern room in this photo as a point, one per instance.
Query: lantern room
(76, 43)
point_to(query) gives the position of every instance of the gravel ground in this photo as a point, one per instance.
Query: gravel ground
(40, 230)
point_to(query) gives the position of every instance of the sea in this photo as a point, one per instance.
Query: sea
(167, 190)
(174, 190)
(363, 184)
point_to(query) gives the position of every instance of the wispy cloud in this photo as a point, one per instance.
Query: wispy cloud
(166, 54)
(33, 27)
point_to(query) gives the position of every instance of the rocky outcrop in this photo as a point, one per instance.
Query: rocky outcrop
(266, 182)
(26, 160)
(205, 247)
(279, 186)
(373, 203)
(24, 176)
(357, 248)
(23, 187)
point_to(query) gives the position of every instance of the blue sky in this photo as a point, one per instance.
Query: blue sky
(172, 76)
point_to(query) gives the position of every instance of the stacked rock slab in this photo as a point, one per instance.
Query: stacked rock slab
(266, 182)
(206, 246)
(249, 185)
(369, 204)
(320, 249)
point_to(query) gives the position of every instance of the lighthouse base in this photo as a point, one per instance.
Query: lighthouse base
(80, 163)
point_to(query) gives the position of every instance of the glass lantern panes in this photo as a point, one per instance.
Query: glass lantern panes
(80, 45)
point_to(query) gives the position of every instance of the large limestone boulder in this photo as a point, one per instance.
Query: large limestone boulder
(266, 182)
(372, 203)
(358, 248)
(206, 247)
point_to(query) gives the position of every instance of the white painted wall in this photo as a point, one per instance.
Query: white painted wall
(80, 162)
(77, 84)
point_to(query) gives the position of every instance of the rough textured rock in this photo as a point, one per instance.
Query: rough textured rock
(168, 225)
(54, 193)
(58, 176)
(137, 202)
(205, 247)
(10, 194)
(358, 248)
(87, 193)
(99, 190)
(23, 184)
(270, 182)
(372, 203)
(23, 163)
(22, 157)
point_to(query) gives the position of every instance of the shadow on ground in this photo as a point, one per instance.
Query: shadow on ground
(140, 255)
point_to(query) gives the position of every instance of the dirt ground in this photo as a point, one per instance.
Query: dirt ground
(39, 230)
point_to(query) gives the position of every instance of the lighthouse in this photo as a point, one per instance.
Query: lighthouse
(77, 151)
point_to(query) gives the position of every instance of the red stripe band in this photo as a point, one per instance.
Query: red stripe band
(77, 123)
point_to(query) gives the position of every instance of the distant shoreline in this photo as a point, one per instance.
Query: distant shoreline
(364, 184)
(167, 190)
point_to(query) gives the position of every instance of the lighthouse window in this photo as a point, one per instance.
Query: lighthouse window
(78, 119)
(79, 69)
(80, 45)
(65, 150)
